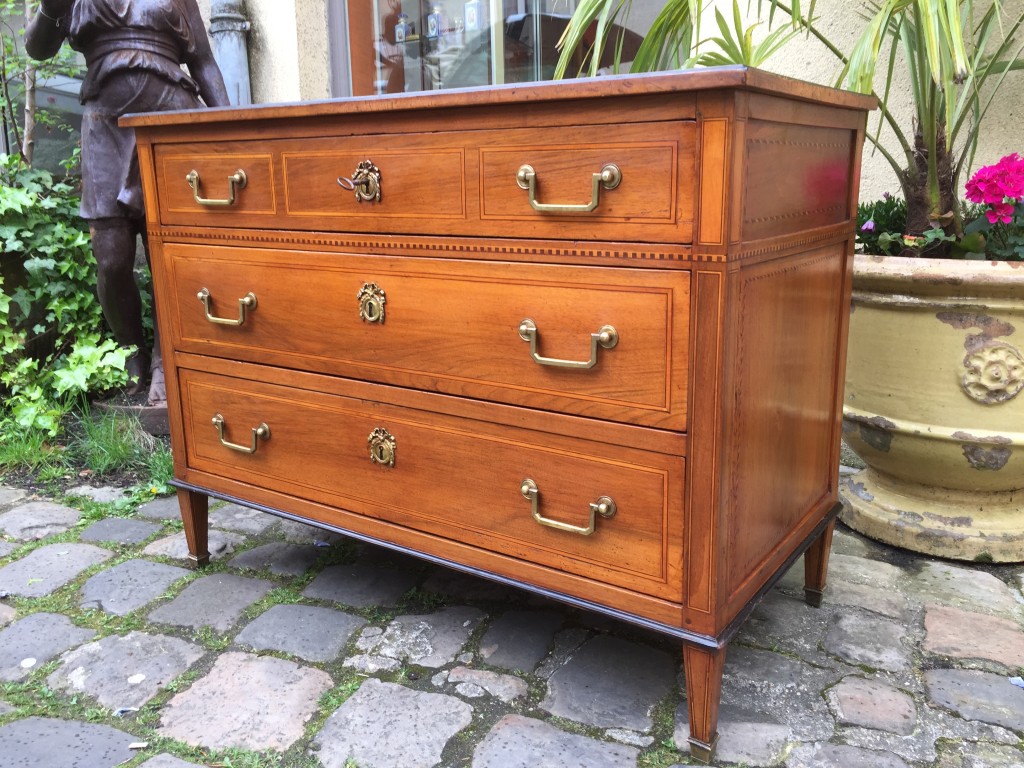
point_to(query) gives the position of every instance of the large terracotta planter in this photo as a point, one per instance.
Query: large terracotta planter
(935, 406)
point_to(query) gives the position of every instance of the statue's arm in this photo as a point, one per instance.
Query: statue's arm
(201, 65)
(43, 35)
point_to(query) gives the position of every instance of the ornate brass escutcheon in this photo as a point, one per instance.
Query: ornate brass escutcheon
(606, 338)
(371, 303)
(245, 303)
(262, 432)
(604, 506)
(236, 180)
(609, 178)
(365, 182)
(383, 447)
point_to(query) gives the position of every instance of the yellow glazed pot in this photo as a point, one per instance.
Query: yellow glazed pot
(934, 406)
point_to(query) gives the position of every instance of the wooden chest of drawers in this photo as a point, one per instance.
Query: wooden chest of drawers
(586, 338)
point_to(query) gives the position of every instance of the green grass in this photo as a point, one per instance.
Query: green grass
(32, 449)
(111, 442)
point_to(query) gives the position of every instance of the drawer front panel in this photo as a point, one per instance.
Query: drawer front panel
(460, 480)
(454, 183)
(228, 201)
(448, 326)
(654, 163)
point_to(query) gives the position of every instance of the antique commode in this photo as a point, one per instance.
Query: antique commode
(586, 338)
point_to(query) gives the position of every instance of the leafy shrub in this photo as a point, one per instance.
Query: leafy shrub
(878, 218)
(54, 347)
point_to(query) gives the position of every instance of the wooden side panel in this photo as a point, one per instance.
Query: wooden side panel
(782, 410)
(796, 178)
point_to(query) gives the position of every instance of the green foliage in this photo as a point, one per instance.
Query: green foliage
(881, 217)
(110, 441)
(736, 44)
(53, 344)
(15, 65)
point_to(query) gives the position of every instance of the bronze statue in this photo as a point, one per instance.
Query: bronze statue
(133, 50)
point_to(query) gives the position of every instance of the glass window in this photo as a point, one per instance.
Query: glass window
(421, 45)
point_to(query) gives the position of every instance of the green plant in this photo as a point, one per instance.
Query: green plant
(110, 441)
(957, 54)
(880, 219)
(54, 348)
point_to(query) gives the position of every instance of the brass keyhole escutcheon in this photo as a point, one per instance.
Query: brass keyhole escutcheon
(383, 447)
(371, 303)
(365, 182)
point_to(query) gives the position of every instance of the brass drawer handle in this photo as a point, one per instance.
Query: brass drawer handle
(371, 303)
(610, 177)
(365, 182)
(606, 337)
(383, 447)
(245, 303)
(237, 179)
(604, 506)
(262, 432)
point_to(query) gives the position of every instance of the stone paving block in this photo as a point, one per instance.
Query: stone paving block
(965, 635)
(361, 585)
(101, 494)
(611, 683)
(49, 568)
(278, 557)
(464, 586)
(626, 736)
(977, 695)
(520, 639)
(975, 755)
(162, 508)
(847, 542)
(504, 687)
(861, 570)
(745, 736)
(522, 742)
(306, 631)
(10, 496)
(6, 548)
(841, 756)
(216, 601)
(966, 588)
(566, 643)
(786, 621)
(7, 614)
(385, 725)
(790, 689)
(129, 585)
(887, 602)
(124, 671)
(119, 530)
(303, 533)
(37, 520)
(429, 640)
(871, 640)
(220, 543)
(246, 701)
(234, 517)
(873, 704)
(168, 761)
(31, 642)
(42, 742)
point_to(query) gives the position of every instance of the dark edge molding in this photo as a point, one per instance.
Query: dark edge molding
(706, 641)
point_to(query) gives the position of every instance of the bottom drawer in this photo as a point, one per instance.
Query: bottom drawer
(604, 512)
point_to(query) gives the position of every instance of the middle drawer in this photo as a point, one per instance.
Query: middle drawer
(609, 343)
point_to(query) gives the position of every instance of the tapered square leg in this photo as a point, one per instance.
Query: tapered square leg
(703, 668)
(195, 508)
(816, 566)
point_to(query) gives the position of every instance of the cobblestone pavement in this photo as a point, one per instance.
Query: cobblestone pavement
(300, 648)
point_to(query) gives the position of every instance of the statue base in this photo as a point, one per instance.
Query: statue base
(152, 418)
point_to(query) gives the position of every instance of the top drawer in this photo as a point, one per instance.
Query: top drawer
(631, 183)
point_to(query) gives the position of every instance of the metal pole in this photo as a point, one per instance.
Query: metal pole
(228, 29)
